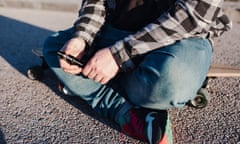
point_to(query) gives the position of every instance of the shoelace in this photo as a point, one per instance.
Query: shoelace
(149, 120)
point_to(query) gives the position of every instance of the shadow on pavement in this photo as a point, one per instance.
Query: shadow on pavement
(2, 138)
(17, 40)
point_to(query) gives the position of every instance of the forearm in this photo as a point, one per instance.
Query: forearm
(185, 19)
(91, 18)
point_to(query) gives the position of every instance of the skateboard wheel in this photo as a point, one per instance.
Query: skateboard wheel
(35, 72)
(201, 99)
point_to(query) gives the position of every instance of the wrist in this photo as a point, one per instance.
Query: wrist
(80, 41)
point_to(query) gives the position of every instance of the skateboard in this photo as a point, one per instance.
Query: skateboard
(36, 72)
(216, 70)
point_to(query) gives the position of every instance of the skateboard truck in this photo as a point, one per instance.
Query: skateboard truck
(200, 100)
(36, 72)
(216, 70)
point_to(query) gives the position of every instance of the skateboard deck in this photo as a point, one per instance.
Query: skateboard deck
(37, 52)
(217, 70)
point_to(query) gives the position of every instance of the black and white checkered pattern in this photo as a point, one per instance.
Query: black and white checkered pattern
(91, 18)
(186, 18)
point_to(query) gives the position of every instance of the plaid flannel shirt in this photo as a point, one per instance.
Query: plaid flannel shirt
(186, 18)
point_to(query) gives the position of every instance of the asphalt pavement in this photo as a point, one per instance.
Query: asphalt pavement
(35, 112)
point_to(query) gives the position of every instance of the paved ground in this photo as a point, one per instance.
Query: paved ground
(34, 112)
(61, 5)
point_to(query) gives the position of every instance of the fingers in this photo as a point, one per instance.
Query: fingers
(101, 67)
(73, 69)
(94, 73)
(98, 78)
(74, 47)
(87, 69)
(104, 80)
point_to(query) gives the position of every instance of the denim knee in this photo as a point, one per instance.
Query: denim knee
(47, 45)
(163, 88)
(170, 76)
(56, 41)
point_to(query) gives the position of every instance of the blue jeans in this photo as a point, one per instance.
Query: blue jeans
(164, 78)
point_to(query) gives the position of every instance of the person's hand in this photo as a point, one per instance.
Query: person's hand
(74, 47)
(101, 67)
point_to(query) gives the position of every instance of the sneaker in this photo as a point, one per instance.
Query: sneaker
(144, 124)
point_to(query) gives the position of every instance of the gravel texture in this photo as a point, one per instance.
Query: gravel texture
(34, 112)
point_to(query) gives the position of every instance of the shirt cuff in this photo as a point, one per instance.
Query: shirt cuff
(85, 36)
(121, 56)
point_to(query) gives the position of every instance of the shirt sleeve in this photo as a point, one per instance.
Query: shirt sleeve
(186, 18)
(91, 18)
